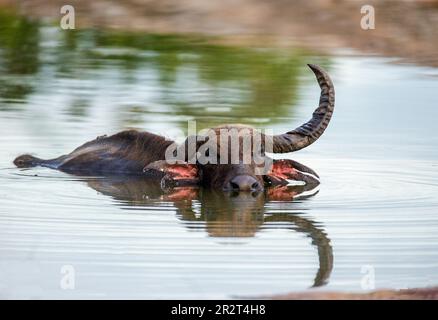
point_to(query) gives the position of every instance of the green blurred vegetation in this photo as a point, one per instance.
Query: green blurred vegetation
(242, 82)
(19, 51)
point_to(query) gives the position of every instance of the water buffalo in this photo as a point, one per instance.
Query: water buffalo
(143, 153)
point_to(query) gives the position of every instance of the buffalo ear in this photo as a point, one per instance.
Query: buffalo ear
(175, 174)
(284, 170)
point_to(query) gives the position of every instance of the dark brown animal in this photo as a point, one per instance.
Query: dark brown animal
(143, 153)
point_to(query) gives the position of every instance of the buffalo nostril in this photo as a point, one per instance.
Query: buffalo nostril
(244, 183)
(234, 186)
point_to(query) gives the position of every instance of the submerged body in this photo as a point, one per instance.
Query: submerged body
(143, 153)
(126, 152)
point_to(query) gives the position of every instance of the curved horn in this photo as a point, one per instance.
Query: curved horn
(309, 132)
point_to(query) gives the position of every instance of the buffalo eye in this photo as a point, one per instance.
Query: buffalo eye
(267, 180)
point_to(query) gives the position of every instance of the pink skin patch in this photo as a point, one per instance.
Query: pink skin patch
(174, 175)
(282, 193)
(185, 193)
(283, 170)
(179, 170)
(182, 171)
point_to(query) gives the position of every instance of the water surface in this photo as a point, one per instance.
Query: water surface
(376, 209)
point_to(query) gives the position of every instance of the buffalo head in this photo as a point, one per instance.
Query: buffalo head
(234, 157)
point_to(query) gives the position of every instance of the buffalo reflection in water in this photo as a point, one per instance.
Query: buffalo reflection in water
(225, 214)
